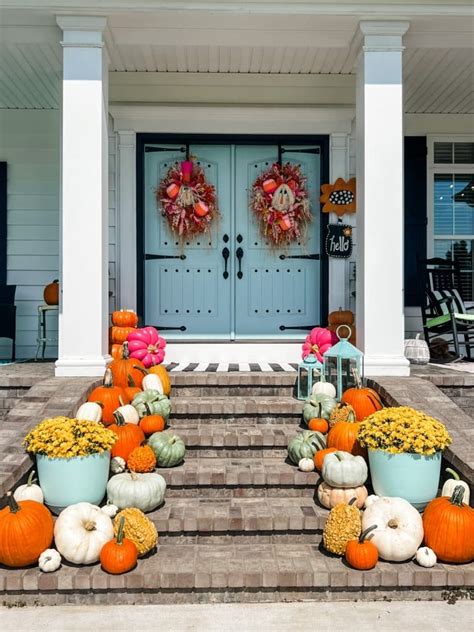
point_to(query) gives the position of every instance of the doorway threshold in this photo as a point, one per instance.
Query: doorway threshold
(205, 351)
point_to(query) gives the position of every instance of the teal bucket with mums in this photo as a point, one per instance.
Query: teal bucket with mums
(413, 477)
(68, 481)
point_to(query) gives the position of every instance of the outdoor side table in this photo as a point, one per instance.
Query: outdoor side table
(42, 339)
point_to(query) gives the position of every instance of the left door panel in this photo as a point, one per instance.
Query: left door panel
(186, 287)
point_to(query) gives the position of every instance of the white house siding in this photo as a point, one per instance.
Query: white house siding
(29, 143)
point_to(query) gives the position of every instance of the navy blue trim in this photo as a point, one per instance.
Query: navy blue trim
(3, 223)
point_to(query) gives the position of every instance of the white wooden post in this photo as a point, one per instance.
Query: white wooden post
(83, 315)
(127, 221)
(379, 124)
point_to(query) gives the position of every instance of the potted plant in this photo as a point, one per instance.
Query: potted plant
(405, 448)
(72, 458)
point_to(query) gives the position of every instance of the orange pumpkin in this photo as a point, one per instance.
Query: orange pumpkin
(130, 436)
(341, 317)
(365, 401)
(343, 436)
(125, 368)
(118, 335)
(116, 351)
(125, 318)
(162, 373)
(319, 457)
(362, 554)
(109, 396)
(26, 530)
(318, 424)
(119, 555)
(448, 524)
(131, 390)
(141, 459)
(152, 423)
(51, 293)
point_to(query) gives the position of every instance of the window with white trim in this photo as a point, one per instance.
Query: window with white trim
(451, 205)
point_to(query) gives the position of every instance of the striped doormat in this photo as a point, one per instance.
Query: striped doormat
(221, 367)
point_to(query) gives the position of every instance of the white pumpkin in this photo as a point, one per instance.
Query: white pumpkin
(152, 382)
(110, 510)
(342, 469)
(126, 414)
(49, 561)
(90, 411)
(426, 557)
(81, 531)
(324, 388)
(29, 491)
(451, 483)
(306, 465)
(370, 499)
(399, 529)
(417, 351)
(117, 465)
(144, 491)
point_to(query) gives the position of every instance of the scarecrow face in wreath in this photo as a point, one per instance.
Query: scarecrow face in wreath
(283, 198)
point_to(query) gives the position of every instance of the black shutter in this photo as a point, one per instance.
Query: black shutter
(415, 214)
(3, 223)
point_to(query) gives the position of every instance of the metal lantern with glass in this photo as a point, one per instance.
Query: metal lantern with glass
(309, 372)
(341, 361)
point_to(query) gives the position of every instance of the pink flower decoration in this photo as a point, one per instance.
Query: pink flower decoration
(318, 341)
(147, 345)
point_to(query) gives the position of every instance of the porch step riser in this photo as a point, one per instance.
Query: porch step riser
(253, 491)
(241, 538)
(236, 453)
(235, 391)
(222, 419)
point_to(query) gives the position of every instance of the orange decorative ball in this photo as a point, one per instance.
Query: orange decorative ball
(152, 423)
(321, 425)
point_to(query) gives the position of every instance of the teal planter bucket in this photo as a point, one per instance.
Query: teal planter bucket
(410, 476)
(68, 481)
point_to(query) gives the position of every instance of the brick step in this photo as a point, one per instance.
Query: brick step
(243, 383)
(231, 410)
(246, 477)
(194, 573)
(223, 520)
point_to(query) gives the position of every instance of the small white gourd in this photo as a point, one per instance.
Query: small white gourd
(90, 411)
(306, 465)
(117, 465)
(152, 382)
(49, 561)
(110, 510)
(29, 491)
(324, 388)
(426, 557)
(126, 414)
(451, 483)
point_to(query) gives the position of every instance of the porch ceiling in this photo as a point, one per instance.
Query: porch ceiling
(212, 57)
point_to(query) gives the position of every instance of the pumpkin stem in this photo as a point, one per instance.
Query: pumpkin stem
(458, 495)
(392, 523)
(147, 408)
(119, 418)
(125, 352)
(89, 525)
(352, 501)
(31, 478)
(454, 474)
(339, 458)
(364, 534)
(142, 369)
(320, 409)
(131, 381)
(133, 475)
(12, 504)
(99, 404)
(108, 379)
(121, 402)
(119, 538)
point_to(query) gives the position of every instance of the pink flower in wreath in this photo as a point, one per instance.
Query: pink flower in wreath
(318, 341)
(147, 345)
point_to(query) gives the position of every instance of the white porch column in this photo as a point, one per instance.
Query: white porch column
(127, 221)
(83, 314)
(379, 122)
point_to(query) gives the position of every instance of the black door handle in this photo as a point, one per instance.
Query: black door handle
(239, 254)
(225, 254)
(182, 257)
(299, 256)
(225, 238)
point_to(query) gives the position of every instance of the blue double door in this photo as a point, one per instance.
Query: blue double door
(230, 284)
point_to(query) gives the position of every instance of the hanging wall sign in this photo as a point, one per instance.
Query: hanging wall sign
(339, 241)
(340, 197)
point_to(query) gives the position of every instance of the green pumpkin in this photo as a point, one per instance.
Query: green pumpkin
(305, 445)
(152, 403)
(318, 405)
(169, 449)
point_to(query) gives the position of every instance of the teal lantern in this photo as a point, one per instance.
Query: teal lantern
(342, 362)
(309, 371)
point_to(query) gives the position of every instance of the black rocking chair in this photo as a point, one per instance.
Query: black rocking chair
(8, 312)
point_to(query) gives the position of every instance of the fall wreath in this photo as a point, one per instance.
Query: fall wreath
(187, 200)
(279, 199)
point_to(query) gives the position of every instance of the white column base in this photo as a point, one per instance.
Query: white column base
(386, 365)
(82, 367)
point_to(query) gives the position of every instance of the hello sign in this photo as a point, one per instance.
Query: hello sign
(339, 241)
